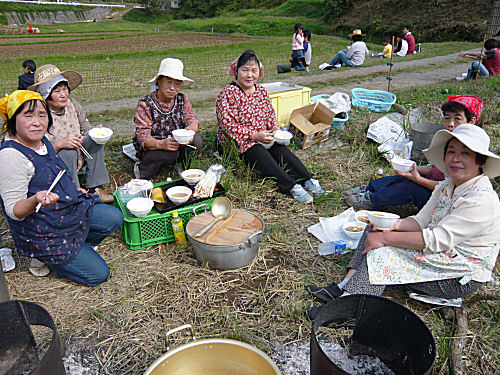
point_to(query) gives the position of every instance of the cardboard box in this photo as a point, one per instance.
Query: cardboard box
(311, 124)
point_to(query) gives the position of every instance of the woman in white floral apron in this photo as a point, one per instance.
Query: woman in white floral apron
(447, 250)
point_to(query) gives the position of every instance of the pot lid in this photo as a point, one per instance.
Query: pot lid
(232, 231)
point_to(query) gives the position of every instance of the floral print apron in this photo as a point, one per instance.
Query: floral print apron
(394, 265)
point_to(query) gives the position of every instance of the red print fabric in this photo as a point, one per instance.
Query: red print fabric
(239, 115)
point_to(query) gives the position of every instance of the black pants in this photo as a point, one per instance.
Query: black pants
(277, 162)
(154, 160)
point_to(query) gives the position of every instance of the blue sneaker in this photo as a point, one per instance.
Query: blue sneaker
(312, 186)
(300, 195)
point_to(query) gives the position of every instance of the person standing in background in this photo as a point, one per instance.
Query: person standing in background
(27, 79)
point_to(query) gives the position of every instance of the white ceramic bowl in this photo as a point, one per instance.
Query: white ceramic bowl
(179, 194)
(100, 135)
(362, 217)
(382, 220)
(140, 207)
(402, 165)
(192, 176)
(349, 229)
(183, 136)
(282, 137)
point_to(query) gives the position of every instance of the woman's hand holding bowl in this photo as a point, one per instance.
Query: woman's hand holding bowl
(263, 136)
(412, 175)
(169, 144)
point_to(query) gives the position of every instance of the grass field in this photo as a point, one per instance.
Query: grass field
(161, 287)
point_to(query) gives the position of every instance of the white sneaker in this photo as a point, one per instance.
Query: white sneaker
(38, 268)
(137, 174)
(338, 66)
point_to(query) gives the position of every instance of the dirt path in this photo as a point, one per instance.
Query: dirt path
(403, 78)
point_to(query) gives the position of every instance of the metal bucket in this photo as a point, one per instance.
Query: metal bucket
(381, 328)
(421, 134)
(212, 357)
(228, 257)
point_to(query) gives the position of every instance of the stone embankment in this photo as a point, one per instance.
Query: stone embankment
(45, 18)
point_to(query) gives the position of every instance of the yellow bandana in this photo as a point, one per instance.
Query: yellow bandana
(9, 104)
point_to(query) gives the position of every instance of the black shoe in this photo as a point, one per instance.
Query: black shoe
(311, 312)
(324, 293)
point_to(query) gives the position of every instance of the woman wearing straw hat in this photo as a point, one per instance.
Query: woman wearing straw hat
(447, 250)
(355, 55)
(50, 219)
(158, 114)
(70, 124)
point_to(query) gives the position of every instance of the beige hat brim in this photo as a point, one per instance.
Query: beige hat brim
(74, 80)
(435, 152)
(185, 80)
(352, 34)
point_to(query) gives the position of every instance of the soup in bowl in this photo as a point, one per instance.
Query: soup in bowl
(179, 194)
(382, 220)
(192, 176)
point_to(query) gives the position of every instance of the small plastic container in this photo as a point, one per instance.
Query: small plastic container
(333, 247)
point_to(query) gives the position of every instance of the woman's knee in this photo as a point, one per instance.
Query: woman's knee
(107, 217)
(99, 276)
(198, 141)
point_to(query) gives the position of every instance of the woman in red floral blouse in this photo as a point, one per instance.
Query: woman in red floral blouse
(246, 117)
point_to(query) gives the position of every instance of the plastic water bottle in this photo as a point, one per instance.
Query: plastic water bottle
(178, 228)
(380, 173)
(333, 247)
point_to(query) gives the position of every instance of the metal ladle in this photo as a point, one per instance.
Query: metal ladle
(221, 208)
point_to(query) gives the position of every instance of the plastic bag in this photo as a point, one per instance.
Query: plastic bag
(7, 261)
(337, 103)
(205, 188)
(135, 188)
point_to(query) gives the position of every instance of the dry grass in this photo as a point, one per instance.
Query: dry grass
(162, 287)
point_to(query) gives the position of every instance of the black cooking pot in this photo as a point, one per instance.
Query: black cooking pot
(18, 353)
(381, 328)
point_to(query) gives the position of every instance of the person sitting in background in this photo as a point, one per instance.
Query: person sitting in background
(447, 250)
(26, 79)
(59, 228)
(67, 134)
(246, 118)
(402, 48)
(410, 39)
(157, 115)
(386, 53)
(417, 185)
(355, 55)
(491, 59)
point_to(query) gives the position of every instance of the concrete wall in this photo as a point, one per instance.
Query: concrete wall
(43, 18)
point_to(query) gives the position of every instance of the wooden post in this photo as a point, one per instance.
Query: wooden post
(389, 78)
(480, 58)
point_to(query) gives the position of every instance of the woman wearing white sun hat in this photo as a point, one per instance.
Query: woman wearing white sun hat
(447, 250)
(158, 114)
(69, 132)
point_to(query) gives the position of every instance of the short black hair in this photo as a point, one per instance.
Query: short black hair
(297, 27)
(356, 38)
(62, 83)
(11, 122)
(307, 34)
(457, 107)
(490, 44)
(387, 40)
(480, 158)
(30, 65)
(407, 27)
(245, 57)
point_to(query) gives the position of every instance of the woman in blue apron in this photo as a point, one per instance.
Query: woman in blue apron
(69, 222)
(447, 250)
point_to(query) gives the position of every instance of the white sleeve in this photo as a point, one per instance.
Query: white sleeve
(308, 55)
(16, 171)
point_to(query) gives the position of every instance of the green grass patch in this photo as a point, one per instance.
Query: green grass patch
(250, 25)
(97, 27)
(148, 15)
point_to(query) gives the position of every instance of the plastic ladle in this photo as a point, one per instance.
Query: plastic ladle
(221, 209)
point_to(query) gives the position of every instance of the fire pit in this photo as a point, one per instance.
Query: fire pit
(381, 328)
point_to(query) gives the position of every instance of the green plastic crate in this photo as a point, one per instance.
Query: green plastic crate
(155, 227)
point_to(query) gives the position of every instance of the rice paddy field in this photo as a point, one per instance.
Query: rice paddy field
(122, 323)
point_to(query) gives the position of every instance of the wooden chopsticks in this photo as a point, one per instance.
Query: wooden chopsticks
(56, 180)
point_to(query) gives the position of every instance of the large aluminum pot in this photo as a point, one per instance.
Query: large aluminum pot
(212, 357)
(228, 257)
